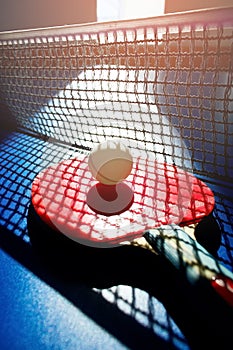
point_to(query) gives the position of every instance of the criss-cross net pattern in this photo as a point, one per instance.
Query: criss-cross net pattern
(156, 76)
(165, 83)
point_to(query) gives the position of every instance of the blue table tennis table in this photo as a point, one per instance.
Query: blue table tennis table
(103, 305)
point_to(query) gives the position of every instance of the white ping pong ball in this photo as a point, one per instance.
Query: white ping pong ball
(110, 162)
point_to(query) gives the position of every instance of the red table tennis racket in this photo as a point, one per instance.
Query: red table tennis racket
(156, 193)
(155, 198)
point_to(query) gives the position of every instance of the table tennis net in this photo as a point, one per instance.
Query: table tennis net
(164, 81)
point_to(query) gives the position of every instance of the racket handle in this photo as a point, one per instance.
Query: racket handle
(191, 258)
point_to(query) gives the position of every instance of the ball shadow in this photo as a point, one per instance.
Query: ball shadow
(110, 199)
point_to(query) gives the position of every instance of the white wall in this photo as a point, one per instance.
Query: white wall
(126, 9)
(26, 14)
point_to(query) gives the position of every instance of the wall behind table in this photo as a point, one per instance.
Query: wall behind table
(184, 5)
(26, 14)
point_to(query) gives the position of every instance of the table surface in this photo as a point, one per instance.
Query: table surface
(42, 308)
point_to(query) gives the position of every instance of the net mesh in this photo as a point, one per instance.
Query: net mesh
(169, 77)
(166, 82)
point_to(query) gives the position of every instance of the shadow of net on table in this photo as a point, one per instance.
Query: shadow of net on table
(131, 266)
(20, 162)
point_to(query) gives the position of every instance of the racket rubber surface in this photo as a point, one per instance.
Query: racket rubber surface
(162, 194)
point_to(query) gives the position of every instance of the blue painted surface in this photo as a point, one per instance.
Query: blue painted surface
(35, 316)
(32, 311)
